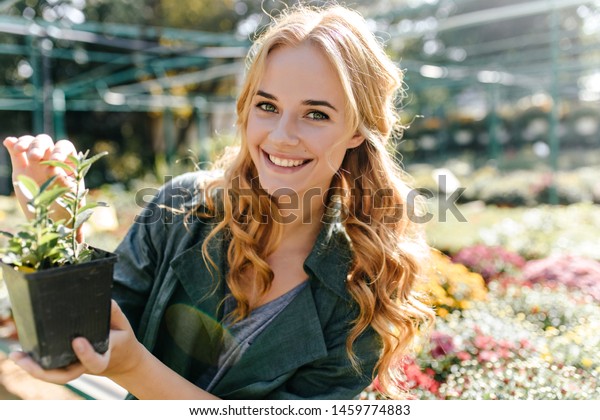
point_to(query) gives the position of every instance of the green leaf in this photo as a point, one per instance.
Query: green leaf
(28, 236)
(48, 197)
(47, 183)
(82, 218)
(93, 205)
(28, 186)
(48, 238)
(85, 255)
(5, 233)
(74, 160)
(85, 164)
(57, 163)
(90, 161)
(82, 194)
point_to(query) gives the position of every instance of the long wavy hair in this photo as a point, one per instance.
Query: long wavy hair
(388, 248)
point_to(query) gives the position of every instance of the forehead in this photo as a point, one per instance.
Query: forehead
(301, 72)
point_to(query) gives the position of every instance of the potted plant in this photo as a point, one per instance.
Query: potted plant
(59, 288)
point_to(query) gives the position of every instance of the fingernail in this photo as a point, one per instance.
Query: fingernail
(78, 345)
(10, 140)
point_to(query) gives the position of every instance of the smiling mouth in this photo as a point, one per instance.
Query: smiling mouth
(287, 163)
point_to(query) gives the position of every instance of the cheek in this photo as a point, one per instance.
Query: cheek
(334, 153)
(252, 131)
(257, 131)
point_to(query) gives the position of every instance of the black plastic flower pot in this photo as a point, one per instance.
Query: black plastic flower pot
(51, 307)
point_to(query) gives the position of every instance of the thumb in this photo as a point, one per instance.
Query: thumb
(93, 362)
(118, 320)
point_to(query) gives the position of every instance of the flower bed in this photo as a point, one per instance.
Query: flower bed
(521, 343)
(532, 233)
(492, 262)
(531, 332)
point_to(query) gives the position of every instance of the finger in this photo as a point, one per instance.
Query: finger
(62, 149)
(94, 363)
(118, 321)
(40, 147)
(17, 355)
(23, 143)
(58, 376)
(17, 157)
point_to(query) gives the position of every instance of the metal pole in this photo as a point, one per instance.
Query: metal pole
(493, 146)
(47, 97)
(168, 127)
(203, 137)
(59, 108)
(36, 77)
(553, 139)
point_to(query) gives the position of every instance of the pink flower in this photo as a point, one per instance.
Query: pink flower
(443, 344)
(525, 344)
(504, 353)
(487, 356)
(484, 342)
(506, 344)
(492, 262)
(574, 272)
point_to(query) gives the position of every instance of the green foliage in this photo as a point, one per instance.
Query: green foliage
(44, 242)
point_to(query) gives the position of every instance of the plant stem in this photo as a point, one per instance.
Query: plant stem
(75, 210)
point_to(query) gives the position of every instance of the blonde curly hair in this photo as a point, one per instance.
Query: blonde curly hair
(388, 248)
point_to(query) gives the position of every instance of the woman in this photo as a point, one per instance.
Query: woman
(290, 274)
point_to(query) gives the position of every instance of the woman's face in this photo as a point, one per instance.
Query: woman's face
(297, 128)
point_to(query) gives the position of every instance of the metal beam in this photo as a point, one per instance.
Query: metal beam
(492, 15)
(15, 104)
(211, 73)
(7, 4)
(128, 37)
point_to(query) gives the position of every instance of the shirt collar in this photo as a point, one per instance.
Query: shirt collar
(331, 258)
(329, 261)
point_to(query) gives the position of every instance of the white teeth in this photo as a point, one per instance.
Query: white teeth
(286, 163)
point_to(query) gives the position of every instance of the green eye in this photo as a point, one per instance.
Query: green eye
(317, 115)
(265, 106)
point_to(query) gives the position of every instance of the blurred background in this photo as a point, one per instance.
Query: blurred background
(501, 83)
(502, 117)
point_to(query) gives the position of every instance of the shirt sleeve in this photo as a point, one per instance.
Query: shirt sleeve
(143, 250)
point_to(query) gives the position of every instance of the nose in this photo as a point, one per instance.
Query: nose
(284, 131)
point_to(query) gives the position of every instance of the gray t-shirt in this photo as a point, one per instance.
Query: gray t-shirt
(239, 336)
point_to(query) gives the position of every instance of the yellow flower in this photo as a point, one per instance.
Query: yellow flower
(442, 312)
(586, 362)
(547, 357)
(451, 285)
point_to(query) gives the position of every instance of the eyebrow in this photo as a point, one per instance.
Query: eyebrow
(310, 102)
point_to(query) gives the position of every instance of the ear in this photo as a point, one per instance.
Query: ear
(356, 140)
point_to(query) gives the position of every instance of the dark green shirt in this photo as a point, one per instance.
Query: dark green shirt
(300, 354)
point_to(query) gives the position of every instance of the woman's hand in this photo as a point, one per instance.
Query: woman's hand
(27, 153)
(123, 355)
